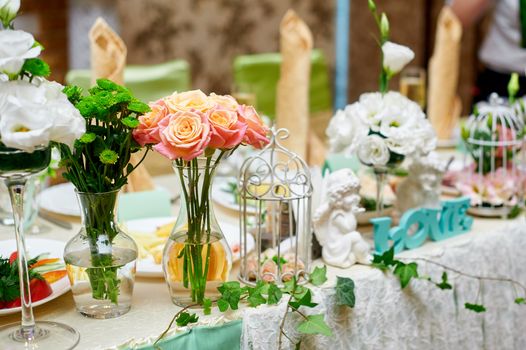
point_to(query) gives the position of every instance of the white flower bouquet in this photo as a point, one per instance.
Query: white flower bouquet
(381, 129)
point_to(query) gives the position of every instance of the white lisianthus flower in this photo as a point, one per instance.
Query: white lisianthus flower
(32, 115)
(8, 11)
(368, 107)
(345, 131)
(15, 47)
(373, 150)
(396, 57)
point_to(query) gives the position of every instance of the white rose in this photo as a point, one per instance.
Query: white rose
(396, 57)
(15, 47)
(32, 115)
(373, 151)
(345, 131)
(8, 11)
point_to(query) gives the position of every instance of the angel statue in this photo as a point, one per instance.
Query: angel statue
(335, 223)
(421, 189)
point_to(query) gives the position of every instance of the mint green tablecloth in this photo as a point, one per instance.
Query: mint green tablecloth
(147, 83)
(224, 337)
(259, 74)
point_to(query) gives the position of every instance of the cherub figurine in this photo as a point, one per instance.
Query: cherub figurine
(335, 223)
(421, 189)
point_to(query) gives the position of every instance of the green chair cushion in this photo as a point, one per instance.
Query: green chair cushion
(259, 74)
(147, 83)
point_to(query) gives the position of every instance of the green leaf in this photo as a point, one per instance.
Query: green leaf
(444, 284)
(230, 293)
(306, 301)
(185, 318)
(274, 294)
(138, 107)
(478, 308)
(520, 301)
(108, 156)
(385, 260)
(315, 324)
(207, 306)
(36, 67)
(318, 276)
(345, 291)
(130, 122)
(88, 137)
(256, 299)
(405, 272)
(275, 258)
(255, 294)
(222, 304)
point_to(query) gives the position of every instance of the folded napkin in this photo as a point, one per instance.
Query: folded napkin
(444, 106)
(292, 99)
(108, 60)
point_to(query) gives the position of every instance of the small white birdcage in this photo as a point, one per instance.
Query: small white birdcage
(275, 192)
(494, 138)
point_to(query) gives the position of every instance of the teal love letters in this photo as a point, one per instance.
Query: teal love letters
(438, 224)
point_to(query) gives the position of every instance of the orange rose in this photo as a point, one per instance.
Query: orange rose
(187, 101)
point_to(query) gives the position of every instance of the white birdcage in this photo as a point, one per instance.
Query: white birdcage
(494, 137)
(275, 192)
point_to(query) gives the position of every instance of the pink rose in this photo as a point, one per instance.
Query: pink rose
(256, 134)
(183, 135)
(227, 130)
(148, 130)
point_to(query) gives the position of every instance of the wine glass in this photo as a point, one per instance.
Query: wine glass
(413, 85)
(16, 167)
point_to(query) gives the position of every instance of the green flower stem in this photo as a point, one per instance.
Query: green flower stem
(196, 184)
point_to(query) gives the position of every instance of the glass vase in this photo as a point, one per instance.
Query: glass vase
(196, 258)
(16, 167)
(101, 259)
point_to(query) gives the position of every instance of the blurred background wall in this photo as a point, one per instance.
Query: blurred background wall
(209, 34)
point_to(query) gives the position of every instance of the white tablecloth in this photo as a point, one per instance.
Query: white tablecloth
(420, 317)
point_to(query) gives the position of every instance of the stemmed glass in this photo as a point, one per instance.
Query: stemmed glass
(16, 167)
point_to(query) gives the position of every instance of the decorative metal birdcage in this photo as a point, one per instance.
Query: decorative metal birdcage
(494, 138)
(275, 208)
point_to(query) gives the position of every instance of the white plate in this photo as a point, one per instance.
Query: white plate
(223, 197)
(35, 247)
(148, 268)
(60, 199)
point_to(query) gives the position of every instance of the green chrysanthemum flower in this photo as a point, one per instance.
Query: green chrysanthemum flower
(130, 122)
(88, 137)
(108, 156)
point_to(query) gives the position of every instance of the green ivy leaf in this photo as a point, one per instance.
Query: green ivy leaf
(306, 301)
(186, 318)
(384, 260)
(405, 272)
(108, 156)
(88, 137)
(291, 287)
(138, 107)
(318, 276)
(315, 324)
(345, 291)
(222, 304)
(478, 308)
(207, 306)
(130, 122)
(36, 67)
(444, 284)
(274, 294)
(230, 293)
(520, 301)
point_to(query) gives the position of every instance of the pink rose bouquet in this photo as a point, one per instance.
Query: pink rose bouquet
(196, 131)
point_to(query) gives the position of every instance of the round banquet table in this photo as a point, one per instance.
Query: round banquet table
(385, 317)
